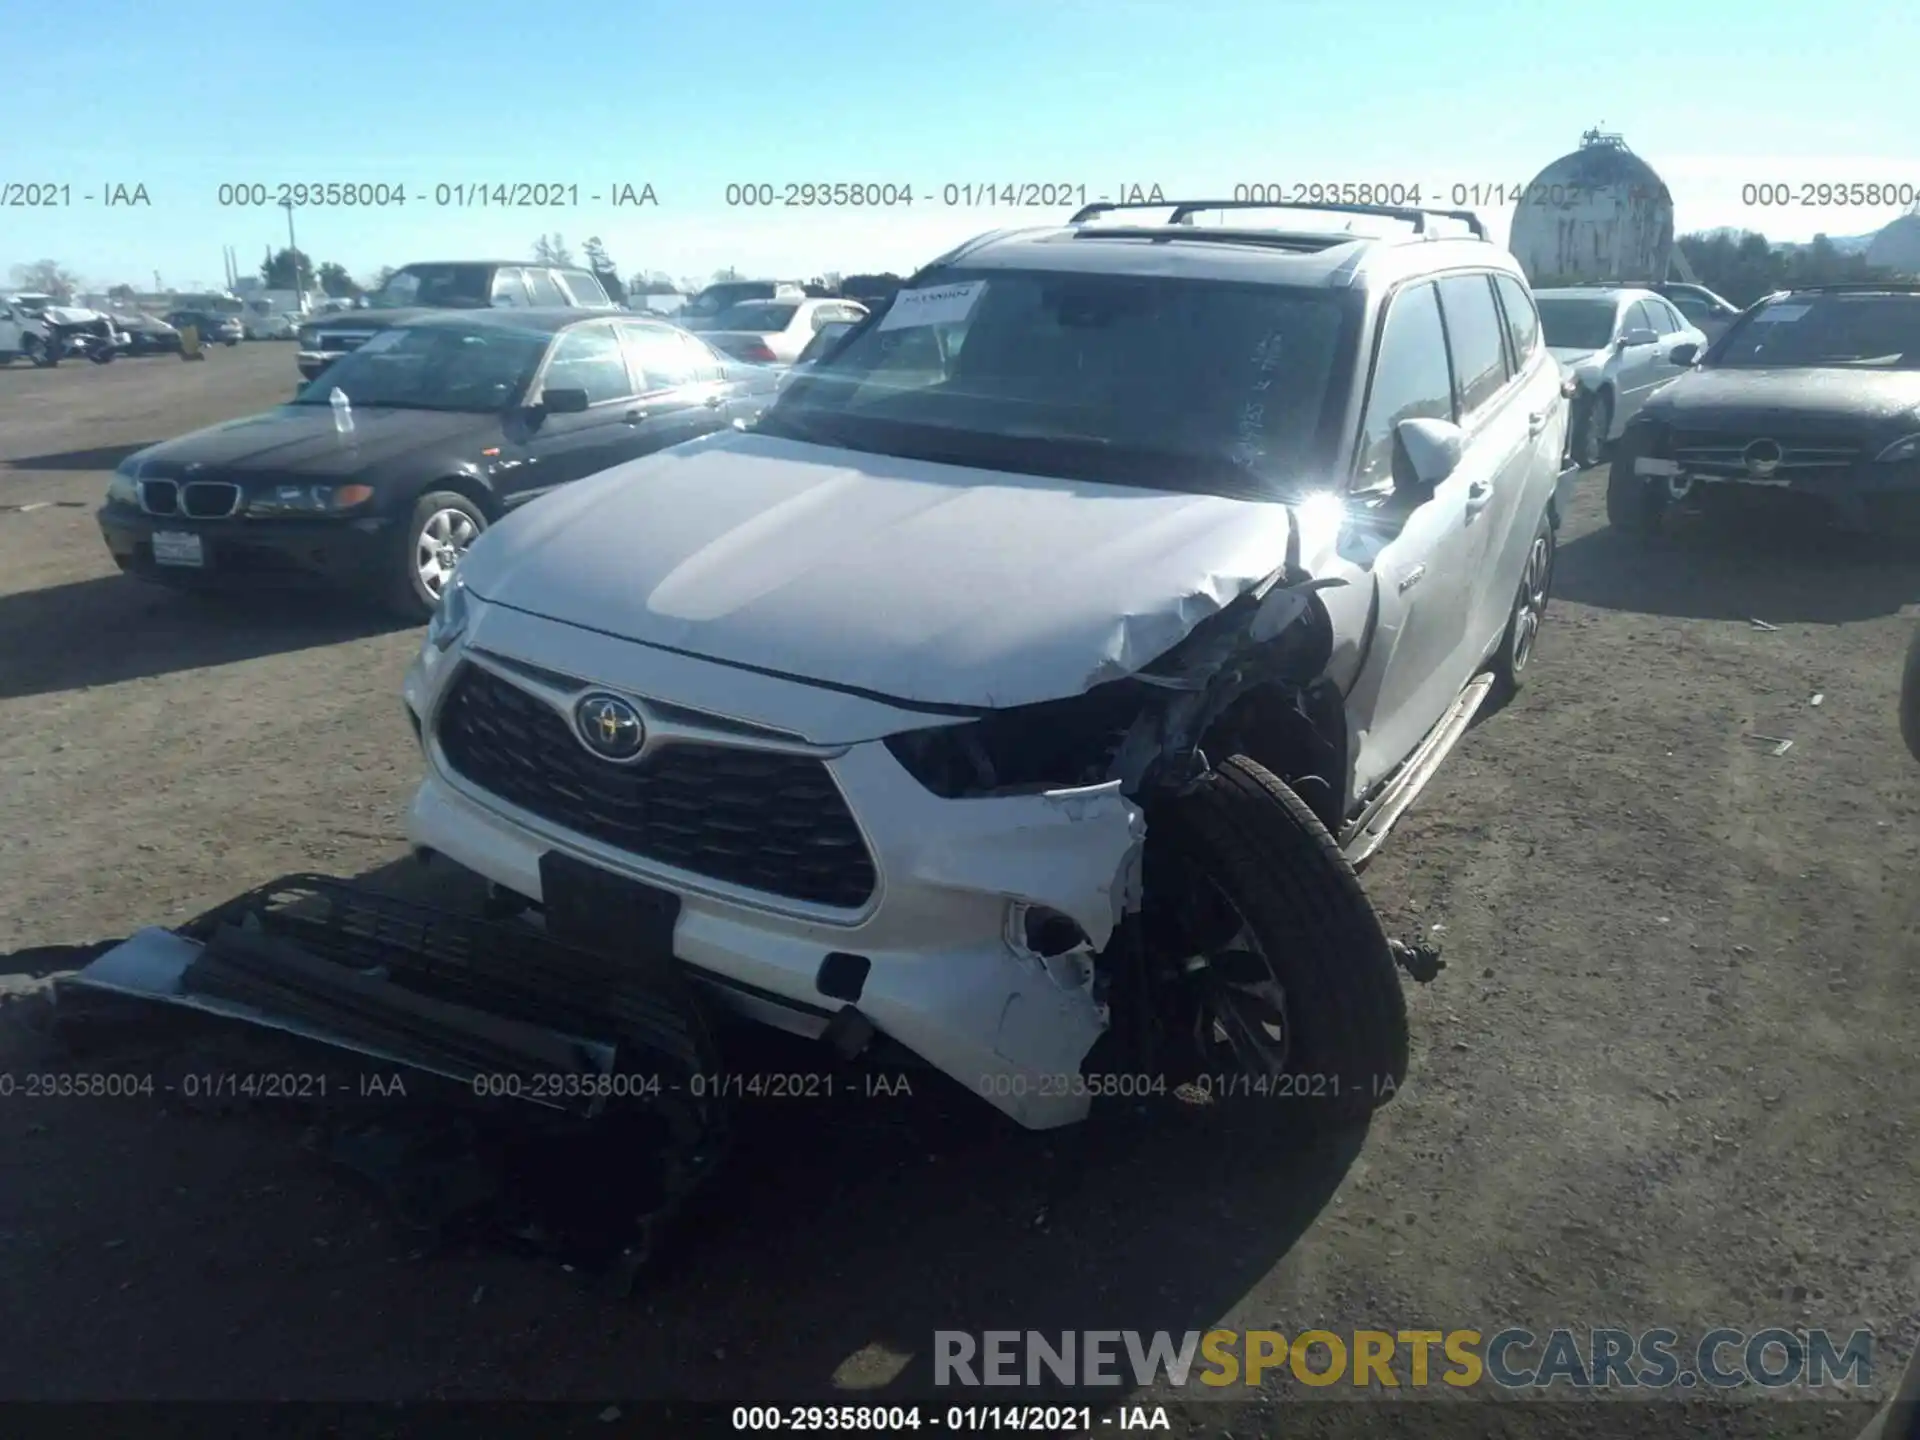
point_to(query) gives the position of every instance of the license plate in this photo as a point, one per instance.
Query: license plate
(597, 910)
(175, 547)
(1647, 466)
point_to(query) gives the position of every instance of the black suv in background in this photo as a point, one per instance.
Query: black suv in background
(1810, 401)
(448, 285)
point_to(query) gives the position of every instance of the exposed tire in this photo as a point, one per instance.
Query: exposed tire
(445, 523)
(38, 352)
(102, 356)
(1528, 614)
(1910, 699)
(1590, 426)
(1341, 1012)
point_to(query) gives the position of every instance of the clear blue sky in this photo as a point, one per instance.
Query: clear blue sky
(1195, 95)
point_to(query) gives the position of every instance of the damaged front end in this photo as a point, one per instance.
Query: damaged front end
(1249, 680)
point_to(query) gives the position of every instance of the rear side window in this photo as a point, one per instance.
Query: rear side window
(588, 358)
(1523, 321)
(1473, 338)
(545, 290)
(656, 353)
(1411, 380)
(509, 290)
(586, 290)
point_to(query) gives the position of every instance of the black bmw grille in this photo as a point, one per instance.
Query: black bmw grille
(767, 822)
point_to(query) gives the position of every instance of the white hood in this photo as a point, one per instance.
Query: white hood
(915, 581)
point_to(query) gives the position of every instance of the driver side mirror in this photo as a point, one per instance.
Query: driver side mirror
(563, 402)
(1685, 354)
(1425, 452)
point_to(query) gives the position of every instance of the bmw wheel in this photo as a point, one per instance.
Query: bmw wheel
(443, 525)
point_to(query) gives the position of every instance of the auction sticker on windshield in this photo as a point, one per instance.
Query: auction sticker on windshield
(174, 547)
(935, 305)
(1782, 312)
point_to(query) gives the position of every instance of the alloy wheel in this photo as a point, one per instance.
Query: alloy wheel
(1530, 607)
(442, 541)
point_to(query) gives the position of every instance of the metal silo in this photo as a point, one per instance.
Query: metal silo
(1600, 213)
(1897, 246)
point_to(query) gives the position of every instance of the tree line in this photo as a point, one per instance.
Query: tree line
(1744, 265)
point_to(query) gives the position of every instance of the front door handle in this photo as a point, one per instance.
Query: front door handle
(1479, 496)
(634, 416)
(1536, 422)
(714, 402)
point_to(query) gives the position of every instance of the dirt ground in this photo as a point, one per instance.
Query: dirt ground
(1667, 1079)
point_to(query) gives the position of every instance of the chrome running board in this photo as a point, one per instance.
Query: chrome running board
(1368, 832)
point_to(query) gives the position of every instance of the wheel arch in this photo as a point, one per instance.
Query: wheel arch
(471, 486)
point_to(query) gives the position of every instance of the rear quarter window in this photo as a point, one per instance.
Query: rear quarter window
(1523, 321)
(1473, 338)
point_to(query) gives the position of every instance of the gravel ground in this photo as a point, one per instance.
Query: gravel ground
(1667, 1079)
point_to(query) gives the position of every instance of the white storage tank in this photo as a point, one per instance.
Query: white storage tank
(1897, 247)
(1600, 213)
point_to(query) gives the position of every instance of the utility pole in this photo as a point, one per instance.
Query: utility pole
(293, 248)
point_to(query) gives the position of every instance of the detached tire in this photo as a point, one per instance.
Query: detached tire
(1273, 862)
(1910, 698)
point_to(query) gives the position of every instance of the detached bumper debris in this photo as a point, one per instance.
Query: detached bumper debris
(489, 1079)
(1419, 958)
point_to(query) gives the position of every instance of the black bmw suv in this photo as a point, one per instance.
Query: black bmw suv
(1810, 400)
(416, 289)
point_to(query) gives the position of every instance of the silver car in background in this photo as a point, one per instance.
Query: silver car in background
(1617, 345)
(775, 332)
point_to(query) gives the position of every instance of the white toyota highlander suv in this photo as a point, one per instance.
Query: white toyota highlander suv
(1041, 666)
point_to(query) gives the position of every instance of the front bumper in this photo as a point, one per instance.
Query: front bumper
(945, 981)
(291, 552)
(1864, 495)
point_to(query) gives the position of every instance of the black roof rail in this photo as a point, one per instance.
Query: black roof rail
(1184, 209)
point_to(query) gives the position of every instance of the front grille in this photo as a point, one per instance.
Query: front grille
(196, 499)
(768, 822)
(209, 499)
(1724, 452)
(160, 497)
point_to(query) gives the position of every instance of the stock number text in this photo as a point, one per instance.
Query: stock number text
(1773, 193)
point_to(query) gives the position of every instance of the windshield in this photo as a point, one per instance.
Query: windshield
(438, 367)
(756, 315)
(1856, 330)
(1576, 324)
(446, 287)
(1173, 384)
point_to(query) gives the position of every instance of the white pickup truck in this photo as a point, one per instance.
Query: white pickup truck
(40, 329)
